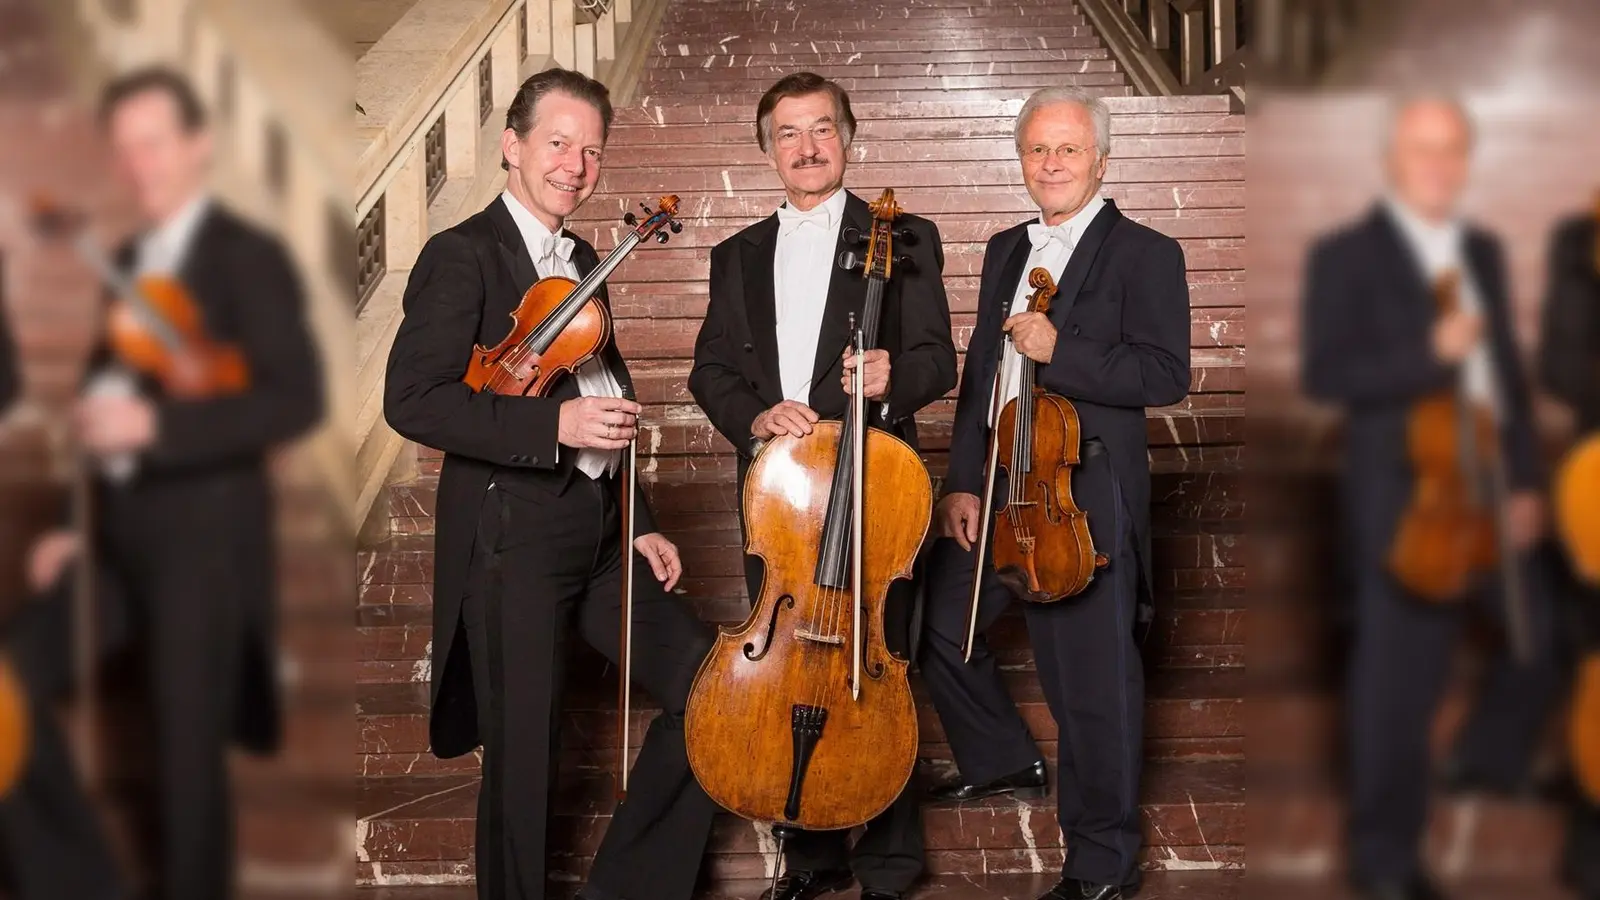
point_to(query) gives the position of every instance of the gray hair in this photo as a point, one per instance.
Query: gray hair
(1050, 96)
(1404, 103)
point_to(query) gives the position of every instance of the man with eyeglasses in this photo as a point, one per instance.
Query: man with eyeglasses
(771, 359)
(1115, 341)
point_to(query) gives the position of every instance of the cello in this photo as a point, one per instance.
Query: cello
(1577, 519)
(1044, 552)
(801, 717)
(560, 324)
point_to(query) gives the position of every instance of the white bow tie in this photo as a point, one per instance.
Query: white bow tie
(1040, 234)
(790, 218)
(553, 244)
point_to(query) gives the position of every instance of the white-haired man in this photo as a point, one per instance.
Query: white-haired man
(1116, 340)
(1375, 344)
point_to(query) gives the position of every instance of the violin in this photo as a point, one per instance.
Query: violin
(154, 326)
(1453, 528)
(560, 324)
(1042, 551)
(801, 717)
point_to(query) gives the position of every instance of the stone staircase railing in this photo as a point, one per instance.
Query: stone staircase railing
(432, 94)
(1177, 46)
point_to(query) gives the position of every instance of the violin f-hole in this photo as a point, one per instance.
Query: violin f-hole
(772, 630)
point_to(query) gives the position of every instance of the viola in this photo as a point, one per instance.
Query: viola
(1042, 548)
(1453, 528)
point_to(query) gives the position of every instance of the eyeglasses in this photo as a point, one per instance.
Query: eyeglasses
(822, 132)
(1038, 153)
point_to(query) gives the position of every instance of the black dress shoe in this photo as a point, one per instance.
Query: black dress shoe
(1074, 889)
(1030, 782)
(806, 885)
(1417, 888)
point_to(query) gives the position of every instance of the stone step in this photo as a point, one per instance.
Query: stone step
(1190, 713)
(647, 300)
(680, 112)
(1193, 815)
(890, 148)
(677, 69)
(824, 58)
(707, 79)
(1158, 885)
(692, 182)
(814, 17)
(980, 126)
(1016, 42)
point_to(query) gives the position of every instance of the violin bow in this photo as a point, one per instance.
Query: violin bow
(986, 505)
(625, 653)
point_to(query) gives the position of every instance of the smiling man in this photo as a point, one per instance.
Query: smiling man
(1116, 340)
(771, 360)
(527, 537)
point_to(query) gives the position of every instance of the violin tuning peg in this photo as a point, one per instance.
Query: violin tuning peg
(630, 218)
(677, 227)
(661, 237)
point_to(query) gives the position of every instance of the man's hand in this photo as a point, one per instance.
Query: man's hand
(874, 378)
(1455, 335)
(662, 555)
(1033, 335)
(605, 423)
(49, 558)
(788, 417)
(1524, 519)
(958, 518)
(113, 424)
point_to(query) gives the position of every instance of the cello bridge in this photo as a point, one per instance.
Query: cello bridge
(808, 635)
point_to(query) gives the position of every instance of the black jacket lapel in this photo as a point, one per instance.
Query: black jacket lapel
(1082, 260)
(757, 258)
(1400, 265)
(847, 293)
(513, 249)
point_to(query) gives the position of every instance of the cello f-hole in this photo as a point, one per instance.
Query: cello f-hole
(750, 652)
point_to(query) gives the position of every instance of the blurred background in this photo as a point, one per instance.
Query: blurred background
(279, 93)
(1323, 105)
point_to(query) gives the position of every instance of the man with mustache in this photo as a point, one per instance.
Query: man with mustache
(527, 535)
(1116, 340)
(771, 360)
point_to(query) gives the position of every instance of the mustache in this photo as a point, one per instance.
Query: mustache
(804, 162)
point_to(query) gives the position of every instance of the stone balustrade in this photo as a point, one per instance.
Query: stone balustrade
(432, 94)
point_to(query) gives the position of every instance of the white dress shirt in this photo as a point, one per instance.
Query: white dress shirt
(801, 270)
(1439, 249)
(552, 254)
(1052, 250)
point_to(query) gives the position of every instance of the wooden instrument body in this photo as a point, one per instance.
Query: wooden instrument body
(197, 366)
(514, 370)
(794, 649)
(1577, 508)
(1042, 549)
(1444, 539)
(1583, 725)
(16, 727)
